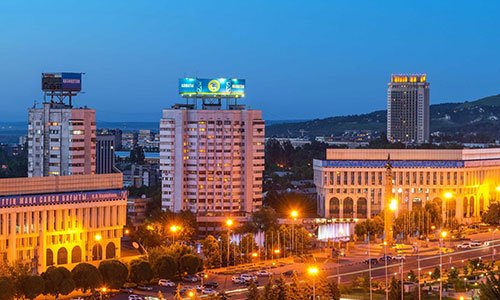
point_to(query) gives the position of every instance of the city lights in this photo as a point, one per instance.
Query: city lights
(229, 222)
(393, 205)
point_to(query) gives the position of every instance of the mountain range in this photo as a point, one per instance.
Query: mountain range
(479, 119)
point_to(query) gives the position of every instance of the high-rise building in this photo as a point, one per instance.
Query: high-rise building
(105, 153)
(212, 159)
(61, 221)
(408, 109)
(61, 140)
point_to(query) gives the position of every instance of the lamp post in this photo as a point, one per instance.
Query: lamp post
(229, 223)
(441, 241)
(98, 238)
(386, 281)
(294, 214)
(447, 196)
(173, 230)
(313, 272)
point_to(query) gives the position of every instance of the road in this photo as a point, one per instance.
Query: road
(348, 269)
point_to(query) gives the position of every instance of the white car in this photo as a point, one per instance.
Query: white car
(464, 245)
(475, 243)
(263, 273)
(166, 282)
(237, 280)
(134, 297)
(398, 257)
(208, 292)
(248, 277)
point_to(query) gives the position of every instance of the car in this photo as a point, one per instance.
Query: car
(211, 285)
(487, 243)
(190, 278)
(385, 257)
(399, 257)
(145, 288)
(208, 292)
(263, 273)
(166, 282)
(475, 243)
(289, 273)
(134, 297)
(126, 290)
(237, 280)
(248, 277)
(464, 245)
(372, 261)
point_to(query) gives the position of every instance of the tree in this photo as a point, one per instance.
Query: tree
(190, 264)
(32, 286)
(268, 292)
(165, 267)
(412, 276)
(137, 155)
(265, 219)
(140, 271)
(280, 289)
(492, 215)
(114, 273)
(295, 289)
(253, 292)
(211, 251)
(395, 289)
(86, 277)
(58, 281)
(332, 291)
(491, 288)
(7, 289)
(436, 274)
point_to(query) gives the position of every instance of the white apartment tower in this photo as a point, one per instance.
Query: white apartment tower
(408, 115)
(212, 161)
(61, 140)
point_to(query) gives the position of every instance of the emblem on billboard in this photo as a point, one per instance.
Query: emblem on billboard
(214, 86)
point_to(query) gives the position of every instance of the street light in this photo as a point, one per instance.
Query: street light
(313, 272)
(174, 229)
(448, 196)
(443, 236)
(294, 214)
(393, 206)
(229, 223)
(98, 238)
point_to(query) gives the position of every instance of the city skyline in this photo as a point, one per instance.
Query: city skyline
(326, 52)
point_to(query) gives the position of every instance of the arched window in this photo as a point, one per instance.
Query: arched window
(362, 210)
(76, 255)
(62, 256)
(348, 208)
(335, 207)
(481, 205)
(110, 250)
(471, 206)
(466, 207)
(49, 256)
(97, 252)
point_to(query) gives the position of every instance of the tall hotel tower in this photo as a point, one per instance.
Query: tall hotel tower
(408, 109)
(61, 138)
(212, 153)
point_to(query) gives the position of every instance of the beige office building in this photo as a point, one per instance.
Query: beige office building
(351, 182)
(61, 220)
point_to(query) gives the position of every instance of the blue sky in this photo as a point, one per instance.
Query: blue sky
(301, 59)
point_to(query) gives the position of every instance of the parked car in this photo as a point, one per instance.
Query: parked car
(166, 282)
(475, 243)
(248, 277)
(289, 273)
(372, 261)
(208, 292)
(126, 290)
(190, 278)
(237, 280)
(134, 297)
(399, 257)
(385, 257)
(465, 245)
(263, 273)
(211, 285)
(145, 288)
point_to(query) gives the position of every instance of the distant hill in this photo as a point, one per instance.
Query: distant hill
(480, 117)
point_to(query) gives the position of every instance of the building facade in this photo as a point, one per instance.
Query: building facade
(61, 140)
(105, 153)
(408, 115)
(61, 220)
(351, 182)
(212, 161)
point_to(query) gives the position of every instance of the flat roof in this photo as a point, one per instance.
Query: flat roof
(414, 154)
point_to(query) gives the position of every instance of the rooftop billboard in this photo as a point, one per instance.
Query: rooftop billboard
(214, 87)
(61, 82)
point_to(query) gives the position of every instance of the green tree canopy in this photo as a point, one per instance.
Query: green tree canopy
(58, 281)
(140, 271)
(7, 289)
(492, 215)
(491, 288)
(86, 277)
(114, 273)
(165, 267)
(32, 286)
(211, 251)
(190, 264)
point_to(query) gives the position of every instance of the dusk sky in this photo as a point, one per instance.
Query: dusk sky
(301, 59)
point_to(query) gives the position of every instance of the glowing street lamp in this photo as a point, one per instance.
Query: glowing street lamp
(229, 224)
(313, 271)
(127, 232)
(98, 238)
(293, 214)
(174, 229)
(393, 206)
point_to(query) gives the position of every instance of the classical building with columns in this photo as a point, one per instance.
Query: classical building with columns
(351, 182)
(61, 220)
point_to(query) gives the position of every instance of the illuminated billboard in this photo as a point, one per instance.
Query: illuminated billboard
(61, 82)
(215, 87)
